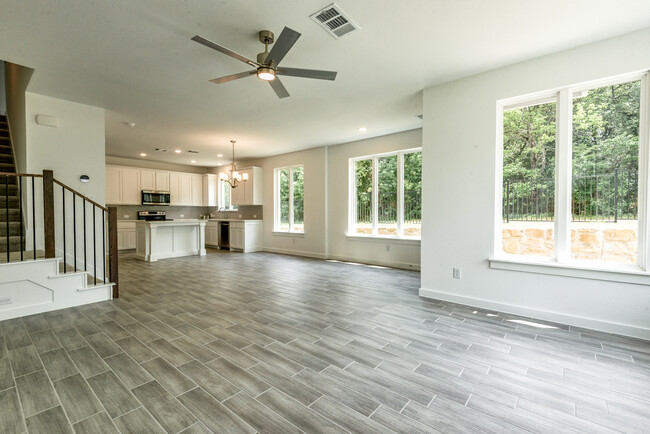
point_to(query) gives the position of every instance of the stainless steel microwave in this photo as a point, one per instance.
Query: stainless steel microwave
(155, 197)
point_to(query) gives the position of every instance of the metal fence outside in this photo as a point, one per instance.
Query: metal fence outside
(606, 197)
(387, 207)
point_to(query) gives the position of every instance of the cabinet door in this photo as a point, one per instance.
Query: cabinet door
(238, 195)
(113, 185)
(162, 180)
(131, 191)
(209, 190)
(248, 187)
(147, 180)
(186, 189)
(174, 188)
(237, 238)
(197, 190)
(129, 240)
(120, 239)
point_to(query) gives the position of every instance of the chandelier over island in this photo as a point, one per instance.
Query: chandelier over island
(235, 177)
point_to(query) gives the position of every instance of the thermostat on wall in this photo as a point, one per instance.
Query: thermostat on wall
(48, 121)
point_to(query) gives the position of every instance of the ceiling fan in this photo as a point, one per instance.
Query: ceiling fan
(267, 66)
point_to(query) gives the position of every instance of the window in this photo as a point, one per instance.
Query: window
(570, 167)
(224, 196)
(386, 192)
(289, 199)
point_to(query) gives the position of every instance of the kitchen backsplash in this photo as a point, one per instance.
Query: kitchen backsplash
(247, 212)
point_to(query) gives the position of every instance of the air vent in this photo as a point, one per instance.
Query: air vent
(193, 152)
(334, 21)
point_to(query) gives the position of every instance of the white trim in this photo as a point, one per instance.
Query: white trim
(643, 248)
(570, 319)
(295, 252)
(277, 206)
(384, 239)
(581, 269)
(563, 174)
(288, 234)
(369, 261)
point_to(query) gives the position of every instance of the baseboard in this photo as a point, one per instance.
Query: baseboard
(391, 264)
(295, 253)
(589, 323)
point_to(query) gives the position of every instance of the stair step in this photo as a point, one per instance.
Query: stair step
(4, 132)
(28, 255)
(7, 167)
(13, 202)
(13, 188)
(14, 244)
(14, 214)
(14, 229)
(4, 149)
(7, 159)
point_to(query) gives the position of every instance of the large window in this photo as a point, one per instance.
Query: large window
(571, 165)
(385, 196)
(224, 196)
(289, 199)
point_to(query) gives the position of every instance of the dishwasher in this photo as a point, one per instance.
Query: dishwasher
(224, 235)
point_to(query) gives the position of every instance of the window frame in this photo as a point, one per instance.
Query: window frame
(276, 200)
(221, 205)
(562, 259)
(352, 195)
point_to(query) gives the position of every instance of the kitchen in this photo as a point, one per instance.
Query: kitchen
(167, 213)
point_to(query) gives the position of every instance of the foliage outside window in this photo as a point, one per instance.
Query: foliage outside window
(224, 196)
(570, 175)
(387, 194)
(289, 199)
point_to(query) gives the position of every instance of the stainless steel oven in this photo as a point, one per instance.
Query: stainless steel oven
(155, 197)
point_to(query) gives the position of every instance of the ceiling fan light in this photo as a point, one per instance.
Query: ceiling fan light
(266, 74)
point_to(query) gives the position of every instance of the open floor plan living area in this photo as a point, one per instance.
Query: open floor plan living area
(363, 216)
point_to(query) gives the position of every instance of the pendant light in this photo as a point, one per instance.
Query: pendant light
(235, 177)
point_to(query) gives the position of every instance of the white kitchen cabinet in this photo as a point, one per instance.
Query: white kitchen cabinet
(212, 234)
(174, 188)
(162, 180)
(125, 235)
(209, 190)
(197, 190)
(113, 185)
(131, 190)
(185, 189)
(147, 179)
(249, 192)
(246, 235)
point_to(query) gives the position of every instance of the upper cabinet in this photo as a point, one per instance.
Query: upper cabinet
(131, 189)
(162, 180)
(249, 192)
(113, 185)
(154, 179)
(210, 190)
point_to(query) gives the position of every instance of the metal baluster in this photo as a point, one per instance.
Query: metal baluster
(7, 211)
(615, 195)
(94, 248)
(74, 229)
(65, 257)
(20, 207)
(104, 243)
(85, 248)
(34, 216)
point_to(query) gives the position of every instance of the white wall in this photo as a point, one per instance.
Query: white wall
(158, 165)
(16, 80)
(403, 254)
(459, 157)
(75, 147)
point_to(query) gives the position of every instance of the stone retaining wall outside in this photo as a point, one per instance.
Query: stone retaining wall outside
(603, 242)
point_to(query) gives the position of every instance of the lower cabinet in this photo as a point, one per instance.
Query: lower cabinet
(125, 235)
(212, 234)
(237, 235)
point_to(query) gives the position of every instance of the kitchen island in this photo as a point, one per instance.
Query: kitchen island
(169, 239)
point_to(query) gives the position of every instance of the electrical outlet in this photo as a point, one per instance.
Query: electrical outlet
(182, 215)
(239, 215)
(456, 273)
(293, 241)
(126, 216)
(254, 216)
(212, 215)
(388, 247)
(6, 300)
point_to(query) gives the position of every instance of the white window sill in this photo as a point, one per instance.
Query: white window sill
(617, 273)
(289, 234)
(383, 239)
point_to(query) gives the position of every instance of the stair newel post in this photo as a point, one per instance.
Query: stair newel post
(112, 249)
(48, 213)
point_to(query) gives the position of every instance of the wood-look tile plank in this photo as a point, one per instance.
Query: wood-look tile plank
(10, 412)
(127, 370)
(168, 376)
(138, 421)
(88, 362)
(6, 375)
(215, 385)
(136, 349)
(347, 418)
(194, 349)
(58, 364)
(295, 389)
(114, 396)
(52, 421)
(214, 416)
(25, 360)
(167, 411)
(78, 401)
(45, 341)
(238, 376)
(70, 338)
(36, 393)
(99, 423)
(259, 416)
(169, 352)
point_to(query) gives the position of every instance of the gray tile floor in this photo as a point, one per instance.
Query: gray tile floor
(270, 343)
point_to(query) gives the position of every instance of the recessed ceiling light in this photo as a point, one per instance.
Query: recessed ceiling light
(130, 124)
(219, 155)
(142, 154)
(178, 151)
(363, 129)
(193, 161)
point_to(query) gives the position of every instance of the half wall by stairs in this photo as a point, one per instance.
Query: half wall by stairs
(10, 228)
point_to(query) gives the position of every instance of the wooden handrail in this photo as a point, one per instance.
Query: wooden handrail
(87, 199)
(33, 175)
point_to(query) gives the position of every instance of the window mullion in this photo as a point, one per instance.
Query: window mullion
(643, 248)
(563, 169)
(278, 204)
(400, 195)
(375, 194)
(290, 199)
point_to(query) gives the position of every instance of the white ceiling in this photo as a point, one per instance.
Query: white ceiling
(136, 60)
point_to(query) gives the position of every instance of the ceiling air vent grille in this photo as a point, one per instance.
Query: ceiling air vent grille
(334, 21)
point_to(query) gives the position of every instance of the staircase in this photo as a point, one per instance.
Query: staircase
(8, 196)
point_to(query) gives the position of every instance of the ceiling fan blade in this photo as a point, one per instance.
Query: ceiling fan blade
(232, 77)
(307, 73)
(279, 88)
(223, 50)
(282, 45)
